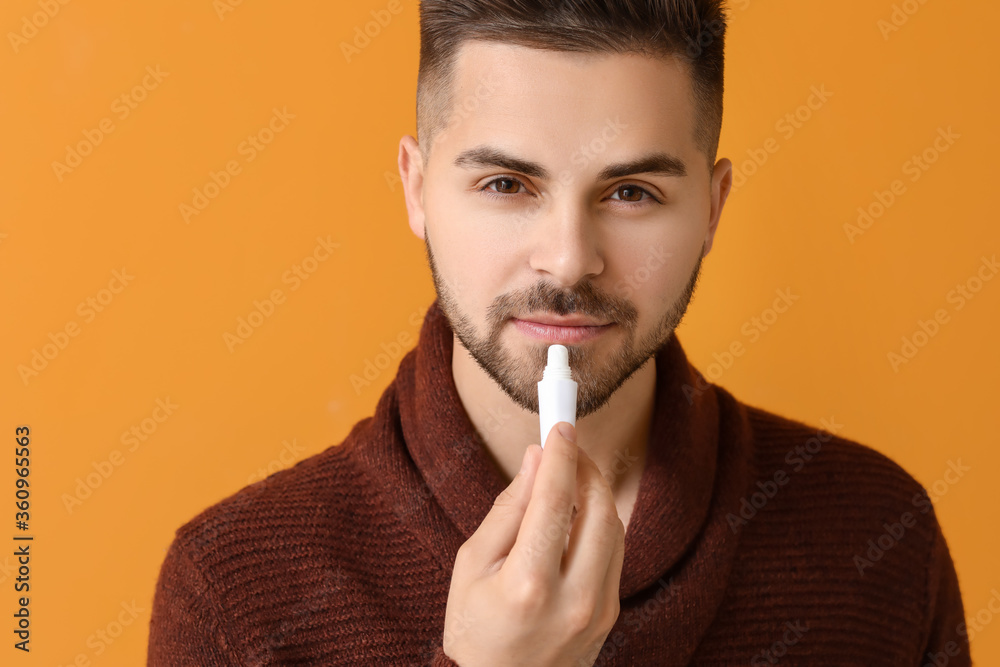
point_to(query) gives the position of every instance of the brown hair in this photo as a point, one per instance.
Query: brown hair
(693, 31)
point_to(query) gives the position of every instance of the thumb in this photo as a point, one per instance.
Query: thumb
(497, 533)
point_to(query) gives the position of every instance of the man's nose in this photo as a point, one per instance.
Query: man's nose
(566, 243)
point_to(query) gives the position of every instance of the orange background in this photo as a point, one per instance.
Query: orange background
(330, 172)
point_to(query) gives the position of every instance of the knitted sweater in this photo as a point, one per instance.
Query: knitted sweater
(754, 539)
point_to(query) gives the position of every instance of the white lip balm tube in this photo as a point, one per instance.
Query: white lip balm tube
(556, 392)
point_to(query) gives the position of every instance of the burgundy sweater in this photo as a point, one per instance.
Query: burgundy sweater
(755, 539)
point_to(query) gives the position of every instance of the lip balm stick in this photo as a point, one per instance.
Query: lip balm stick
(556, 392)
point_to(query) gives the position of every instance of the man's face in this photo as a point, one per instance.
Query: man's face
(565, 184)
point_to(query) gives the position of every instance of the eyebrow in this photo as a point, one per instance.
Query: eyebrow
(659, 163)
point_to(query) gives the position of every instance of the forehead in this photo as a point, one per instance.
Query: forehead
(555, 102)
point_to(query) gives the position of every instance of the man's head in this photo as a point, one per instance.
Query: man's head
(690, 31)
(567, 176)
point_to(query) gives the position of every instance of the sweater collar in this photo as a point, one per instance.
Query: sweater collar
(676, 487)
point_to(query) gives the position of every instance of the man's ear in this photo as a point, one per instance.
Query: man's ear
(411, 170)
(722, 183)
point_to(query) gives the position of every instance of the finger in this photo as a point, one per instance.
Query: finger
(497, 533)
(611, 589)
(595, 533)
(541, 540)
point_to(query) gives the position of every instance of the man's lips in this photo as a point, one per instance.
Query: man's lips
(563, 321)
(560, 333)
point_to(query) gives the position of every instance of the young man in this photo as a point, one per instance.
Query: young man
(566, 187)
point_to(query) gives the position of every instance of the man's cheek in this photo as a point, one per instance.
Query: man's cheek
(623, 289)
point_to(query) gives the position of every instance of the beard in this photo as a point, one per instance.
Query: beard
(598, 377)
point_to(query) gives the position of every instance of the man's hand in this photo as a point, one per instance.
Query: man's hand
(522, 593)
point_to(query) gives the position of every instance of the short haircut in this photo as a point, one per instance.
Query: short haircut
(692, 31)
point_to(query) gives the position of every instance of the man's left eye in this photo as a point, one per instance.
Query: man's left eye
(629, 192)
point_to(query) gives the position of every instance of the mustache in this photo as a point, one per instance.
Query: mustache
(585, 299)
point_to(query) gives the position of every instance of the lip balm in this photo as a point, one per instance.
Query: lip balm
(556, 392)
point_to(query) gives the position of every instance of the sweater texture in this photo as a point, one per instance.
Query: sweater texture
(755, 540)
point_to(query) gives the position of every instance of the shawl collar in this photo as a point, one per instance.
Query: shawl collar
(684, 491)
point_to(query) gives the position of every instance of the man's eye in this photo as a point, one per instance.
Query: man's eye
(508, 186)
(631, 193)
(505, 186)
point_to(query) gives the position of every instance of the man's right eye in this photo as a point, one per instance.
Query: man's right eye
(504, 185)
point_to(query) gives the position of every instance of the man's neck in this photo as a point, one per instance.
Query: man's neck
(615, 436)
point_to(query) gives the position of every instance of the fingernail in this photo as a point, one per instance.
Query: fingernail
(567, 431)
(524, 461)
